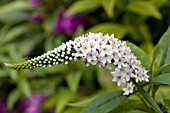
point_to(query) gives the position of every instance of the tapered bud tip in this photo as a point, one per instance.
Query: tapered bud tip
(8, 65)
(13, 66)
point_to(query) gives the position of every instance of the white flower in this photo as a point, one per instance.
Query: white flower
(145, 75)
(92, 45)
(120, 62)
(128, 73)
(80, 53)
(138, 77)
(106, 58)
(86, 48)
(79, 40)
(118, 76)
(106, 50)
(119, 79)
(106, 65)
(127, 53)
(128, 89)
(92, 56)
(102, 44)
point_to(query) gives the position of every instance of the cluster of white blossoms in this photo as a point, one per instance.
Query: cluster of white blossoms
(95, 48)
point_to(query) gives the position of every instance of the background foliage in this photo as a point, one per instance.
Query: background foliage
(30, 28)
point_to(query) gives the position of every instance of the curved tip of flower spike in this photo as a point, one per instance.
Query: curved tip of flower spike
(22, 65)
(13, 66)
(8, 65)
(63, 53)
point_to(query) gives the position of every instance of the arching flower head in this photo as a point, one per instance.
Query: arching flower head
(95, 48)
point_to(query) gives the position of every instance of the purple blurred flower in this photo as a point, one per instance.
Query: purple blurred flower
(32, 104)
(34, 3)
(3, 108)
(68, 24)
(36, 18)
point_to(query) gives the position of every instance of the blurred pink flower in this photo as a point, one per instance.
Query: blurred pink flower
(34, 3)
(32, 104)
(68, 24)
(36, 18)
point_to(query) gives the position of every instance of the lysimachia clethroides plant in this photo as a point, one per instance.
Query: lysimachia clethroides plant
(131, 69)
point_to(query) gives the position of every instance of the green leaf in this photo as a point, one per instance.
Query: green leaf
(4, 30)
(163, 47)
(59, 99)
(167, 103)
(149, 100)
(23, 85)
(73, 80)
(3, 73)
(145, 32)
(64, 97)
(156, 69)
(15, 32)
(148, 48)
(105, 103)
(14, 17)
(141, 55)
(161, 79)
(50, 101)
(79, 31)
(26, 45)
(80, 104)
(73, 110)
(83, 6)
(109, 28)
(49, 23)
(108, 6)
(13, 74)
(129, 105)
(145, 8)
(13, 98)
(159, 3)
(15, 6)
(137, 111)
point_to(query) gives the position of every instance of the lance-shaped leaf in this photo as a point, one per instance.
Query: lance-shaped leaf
(130, 105)
(81, 6)
(163, 47)
(15, 6)
(105, 103)
(149, 100)
(145, 8)
(108, 6)
(13, 97)
(109, 28)
(73, 80)
(161, 79)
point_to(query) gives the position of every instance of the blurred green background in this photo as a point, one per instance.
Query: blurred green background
(29, 28)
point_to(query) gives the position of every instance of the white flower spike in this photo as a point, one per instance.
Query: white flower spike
(95, 48)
